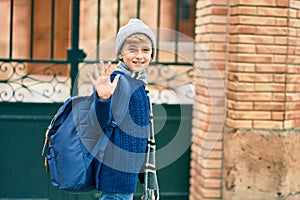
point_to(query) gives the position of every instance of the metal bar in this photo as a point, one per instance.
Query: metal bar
(177, 63)
(75, 24)
(118, 15)
(98, 29)
(177, 29)
(158, 29)
(33, 61)
(31, 29)
(11, 28)
(52, 29)
(75, 44)
(138, 9)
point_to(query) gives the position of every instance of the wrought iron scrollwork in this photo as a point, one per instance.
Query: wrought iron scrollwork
(38, 83)
(85, 86)
(20, 82)
(168, 84)
(171, 84)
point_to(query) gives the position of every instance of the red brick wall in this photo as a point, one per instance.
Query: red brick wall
(210, 63)
(257, 64)
(256, 51)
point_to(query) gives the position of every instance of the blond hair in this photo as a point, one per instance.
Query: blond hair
(138, 38)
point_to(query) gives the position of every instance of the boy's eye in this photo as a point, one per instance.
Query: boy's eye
(136, 49)
(146, 49)
(132, 49)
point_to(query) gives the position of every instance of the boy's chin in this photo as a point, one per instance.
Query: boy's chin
(138, 68)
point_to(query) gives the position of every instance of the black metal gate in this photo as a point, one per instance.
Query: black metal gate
(30, 91)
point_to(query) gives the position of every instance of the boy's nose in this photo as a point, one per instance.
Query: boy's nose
(139, 54)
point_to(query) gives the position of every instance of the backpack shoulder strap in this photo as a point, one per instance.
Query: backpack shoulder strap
(120, 98)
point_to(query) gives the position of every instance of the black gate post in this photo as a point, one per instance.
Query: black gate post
(75, 55)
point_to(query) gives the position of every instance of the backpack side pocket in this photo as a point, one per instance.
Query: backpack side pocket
(52, 165)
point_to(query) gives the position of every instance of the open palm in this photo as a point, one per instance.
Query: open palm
(101, 81)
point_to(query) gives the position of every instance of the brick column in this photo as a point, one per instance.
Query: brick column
(261, 146)
(261, 141)
(208, 115)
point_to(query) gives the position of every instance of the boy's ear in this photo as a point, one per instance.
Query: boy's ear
(120, 57)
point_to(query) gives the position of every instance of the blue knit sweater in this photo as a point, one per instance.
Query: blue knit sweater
(124, 156)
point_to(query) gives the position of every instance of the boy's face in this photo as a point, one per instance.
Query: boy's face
(137, 55)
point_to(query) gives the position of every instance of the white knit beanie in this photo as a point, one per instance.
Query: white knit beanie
(134, 26)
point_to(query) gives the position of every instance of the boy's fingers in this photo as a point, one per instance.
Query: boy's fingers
(96, 71)
(107, 72)
(102, 68)
(116, 79)
(92, 78)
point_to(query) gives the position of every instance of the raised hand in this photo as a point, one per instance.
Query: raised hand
(101, 81)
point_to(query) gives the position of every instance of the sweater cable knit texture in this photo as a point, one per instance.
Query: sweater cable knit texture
(125, 155)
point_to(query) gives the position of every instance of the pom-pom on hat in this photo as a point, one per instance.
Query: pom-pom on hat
(134, 26)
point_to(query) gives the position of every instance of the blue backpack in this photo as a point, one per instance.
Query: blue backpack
(75, 143)
(68, 159)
